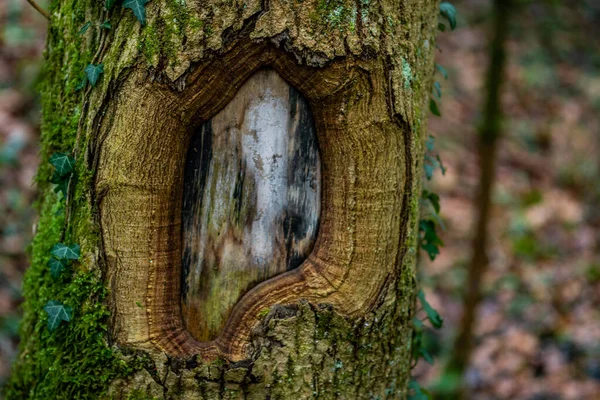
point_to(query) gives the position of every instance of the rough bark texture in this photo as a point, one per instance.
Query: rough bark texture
(336, 327)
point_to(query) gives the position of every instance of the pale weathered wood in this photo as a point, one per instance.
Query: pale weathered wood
(251, 199)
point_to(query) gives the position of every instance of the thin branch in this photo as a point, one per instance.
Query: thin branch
(39, 9)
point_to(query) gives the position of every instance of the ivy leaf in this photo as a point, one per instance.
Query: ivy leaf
(84, 28)
(441, 27)
(417, 341)
(429, 170)
(431, 249)
(62, 183)
(138, 8)
(93, 73)
(64, 252)
(448, 11)
(434, 317)
(81, 84)
(433, 107)
(418, 324)
(57, 267)
(433, 198)
(109, 3)
(430, 241)
(440, 164)
(64, 163)
(106, 25)
(426, 355)
(438, 89)
(442, 70)
(430, 143)
(418, 392)
(57, 312)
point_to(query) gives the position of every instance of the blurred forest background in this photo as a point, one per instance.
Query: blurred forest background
(536, 334)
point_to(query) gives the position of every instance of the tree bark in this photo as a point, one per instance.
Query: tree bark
(338, 325)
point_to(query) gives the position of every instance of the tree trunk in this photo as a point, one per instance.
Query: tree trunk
(245, 197)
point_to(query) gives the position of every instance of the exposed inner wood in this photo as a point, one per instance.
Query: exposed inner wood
(366, 181)
(251, 199)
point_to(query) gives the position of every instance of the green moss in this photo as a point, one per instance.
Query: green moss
(180, 15)
(170, 41)
(150, 44)
(336, 14)
(195, 24)
(82, 222)
(74, 361)
(263, 313)
(158, 41)
(163, 37)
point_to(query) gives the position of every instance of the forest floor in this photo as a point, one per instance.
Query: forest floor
(538, 330)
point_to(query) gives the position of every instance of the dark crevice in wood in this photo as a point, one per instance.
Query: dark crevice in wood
(198, 161)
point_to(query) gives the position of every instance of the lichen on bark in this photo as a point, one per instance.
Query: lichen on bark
(300, 350)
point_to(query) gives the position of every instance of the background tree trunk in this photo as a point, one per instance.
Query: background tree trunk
(490, 132)
(369, 65)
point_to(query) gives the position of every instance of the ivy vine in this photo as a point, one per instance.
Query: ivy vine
(61, 255)
(94, 71)
(430, 220)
